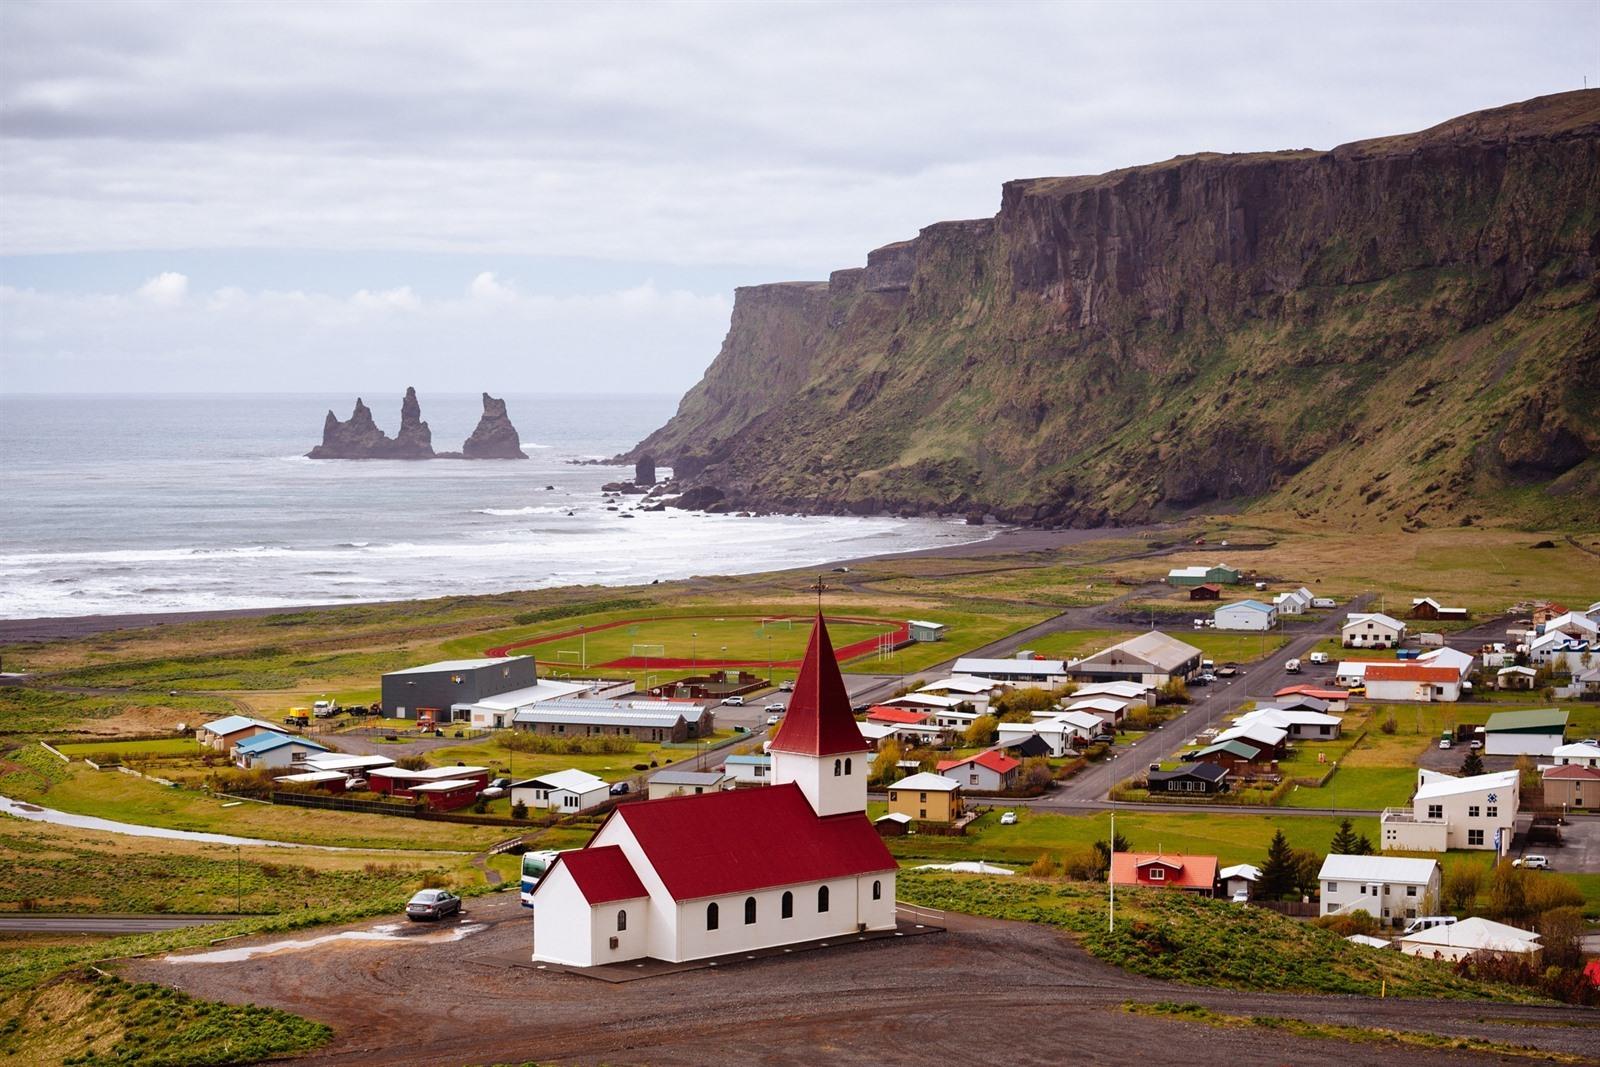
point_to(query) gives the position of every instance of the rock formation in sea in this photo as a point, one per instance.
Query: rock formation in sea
(495, 437)
(644, 471)
(358, 437)
(415, 440)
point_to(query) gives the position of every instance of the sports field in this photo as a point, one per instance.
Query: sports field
(695, 641)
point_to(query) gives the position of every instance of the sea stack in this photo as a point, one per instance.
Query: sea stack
(356, 438)
(415, 439)
(644, 471)
(495, 437)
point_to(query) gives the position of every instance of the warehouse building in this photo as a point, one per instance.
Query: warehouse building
(442, 685)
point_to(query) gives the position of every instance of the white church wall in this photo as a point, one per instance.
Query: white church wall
(661, 938)
(561, 932)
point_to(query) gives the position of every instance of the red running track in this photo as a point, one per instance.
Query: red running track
(900, 632)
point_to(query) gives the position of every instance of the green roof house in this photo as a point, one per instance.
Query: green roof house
(1525, 733)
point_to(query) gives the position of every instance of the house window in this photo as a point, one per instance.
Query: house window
(711, 916)
(972, 779)
(788, 905)
(1333, 887)
(1363, 889)
(1472, 811)
(922, 798)
(1492, 811)
(1435, 811)
(877, 890)
(1474, 837)
(1411, 890)
(749, 911)
(622, 921)
(922, 813)
(1157, 874)
(822, 898)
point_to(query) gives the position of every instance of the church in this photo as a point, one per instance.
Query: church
(691, 877)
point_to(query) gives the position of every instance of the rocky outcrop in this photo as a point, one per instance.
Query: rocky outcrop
(358, 437)
(1386, 330)
(644, 470)
(415, 440)
(495, 437)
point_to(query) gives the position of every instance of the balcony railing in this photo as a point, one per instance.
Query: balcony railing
(1407, 815)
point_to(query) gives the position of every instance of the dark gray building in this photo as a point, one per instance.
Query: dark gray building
(454, 681)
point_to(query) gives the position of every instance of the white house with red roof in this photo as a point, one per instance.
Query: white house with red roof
(694, 877)
(986, 772)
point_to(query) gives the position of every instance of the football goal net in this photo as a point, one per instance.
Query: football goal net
(649, 651)
(568, 655)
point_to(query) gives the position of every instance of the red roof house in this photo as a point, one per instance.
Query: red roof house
(896, 716)
(1198, 874)
(988, 771)
(1410, 672)
(727, 873)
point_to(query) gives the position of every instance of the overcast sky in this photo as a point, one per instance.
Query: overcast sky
(519, 197)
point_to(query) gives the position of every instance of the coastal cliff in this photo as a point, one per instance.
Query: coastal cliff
(359, 436)
(1403, 330)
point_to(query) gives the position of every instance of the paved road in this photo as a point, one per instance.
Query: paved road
(104, 924)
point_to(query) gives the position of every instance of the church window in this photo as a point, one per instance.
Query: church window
(822, 898)
(847, 765)
(877, 890)
(749, 911)
(622, 921)
(788, 905)
(837, 765)
(711, 916)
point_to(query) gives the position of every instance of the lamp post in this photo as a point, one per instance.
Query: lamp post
(238, 893)
(693, 637)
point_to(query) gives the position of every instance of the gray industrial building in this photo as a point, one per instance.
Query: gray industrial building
(450, 682)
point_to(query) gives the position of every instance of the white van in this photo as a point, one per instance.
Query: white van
(1319, 657)
(1292, 667)
(1427, 922)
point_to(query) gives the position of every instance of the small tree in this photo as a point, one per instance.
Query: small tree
(1461, 886)
(1528, 774)
(1037, 773)
(1277, 873)
(1018, 705)
(1561, 933)
(1344, 840)
(1390, 724)
(1472, 765)
(1364, 846)
(1103, 850)
(412, 763)
(519, 810)
(1307, 865)
(1508, 892)
(886, 764)
(983, 731)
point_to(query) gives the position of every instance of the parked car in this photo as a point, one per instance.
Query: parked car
(1008, 818)
(786, 686)
(1292, 667)
(1533, 862)
(353, 785)
(1319, 657)
(1428, 922)
(433, 904)
(773, 720)
(496, 788)
(621, 789)
(776, 709)
(1475, 744)
(733, 701)
(1200, 679)
(1444, 742)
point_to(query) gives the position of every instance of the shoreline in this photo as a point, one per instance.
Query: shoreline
(1005, 541)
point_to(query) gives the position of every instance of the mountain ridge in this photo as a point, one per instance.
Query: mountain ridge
(1401, 329)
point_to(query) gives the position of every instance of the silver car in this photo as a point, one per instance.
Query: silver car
(433, 904)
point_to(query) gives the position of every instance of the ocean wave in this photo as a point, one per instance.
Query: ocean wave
(506, 513)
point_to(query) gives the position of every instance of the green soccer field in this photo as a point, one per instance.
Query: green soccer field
(709, 639)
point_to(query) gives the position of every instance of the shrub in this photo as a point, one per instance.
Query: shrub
(1352, 922)
(519, 810)
(412, 763)
(435, 880)
(602, 745)
(1045, 866)
(983, 731)
(1036, 773)
(1561, 933)
(1389, 725)
(1461, 886)
(1018, 705)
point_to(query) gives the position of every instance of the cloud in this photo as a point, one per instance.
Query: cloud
(230, 339)
(166, 289)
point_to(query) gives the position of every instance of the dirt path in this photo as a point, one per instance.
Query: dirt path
(420, 1000)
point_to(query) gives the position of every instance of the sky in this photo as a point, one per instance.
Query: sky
(241, 197)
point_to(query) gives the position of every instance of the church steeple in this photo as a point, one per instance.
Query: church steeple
(818, 746)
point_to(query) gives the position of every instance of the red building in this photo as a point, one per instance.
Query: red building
(1155, 870)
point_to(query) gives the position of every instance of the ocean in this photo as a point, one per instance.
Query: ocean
(133, 504)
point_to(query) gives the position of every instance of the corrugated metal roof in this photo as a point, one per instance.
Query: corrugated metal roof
(1342, 868)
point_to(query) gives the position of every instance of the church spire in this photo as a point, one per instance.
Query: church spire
(819, 721)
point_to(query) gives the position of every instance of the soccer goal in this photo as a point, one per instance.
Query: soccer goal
(649, 651)
(569, 655)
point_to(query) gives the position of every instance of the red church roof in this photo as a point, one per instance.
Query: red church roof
(747, 839)
(819, 721)
(603, 874)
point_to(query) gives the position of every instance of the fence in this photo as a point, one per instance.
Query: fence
(1297, 909)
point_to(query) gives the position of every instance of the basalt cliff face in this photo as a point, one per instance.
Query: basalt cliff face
(359, 437)
(1401, 330)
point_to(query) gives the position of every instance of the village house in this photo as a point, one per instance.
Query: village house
(1579, 753)
(1561, 651)
(1271, 740)
(1239, 881)
(986, 772)
(1573, 624)
(1133, 692)
(748, 770)
(1109, 710)
(1208, 591)
(976, 691)
(1294, 602)
(927, 797)
(398, 781)
(1195, 779)
(564, 791)
(1411, 681)
(447, 794)
(685, 878)
(1525, 733)
(653, 721)
(1154, 870)
(328, 781)
(1238, 758)
(1300, 724)
(1022, 672)
(1453, 658)
(1391, 889)
(1086, 724)
(1152, 659)
(1425, 607)
(274, 750)
(1245, 615)
(1446, 812)
(1572, 786)
(1061, 738)
(1371, 630)
(1337, 700)
(1514, 678)
(1216, 573)
(1470, 937)
(222, 734)
(923, 630)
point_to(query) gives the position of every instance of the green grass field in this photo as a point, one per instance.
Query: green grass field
(493, 752)
(166, 746)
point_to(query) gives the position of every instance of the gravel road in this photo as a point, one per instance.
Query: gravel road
(984, 989)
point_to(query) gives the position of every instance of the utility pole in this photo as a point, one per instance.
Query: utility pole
(1111, 877)
(238, 894)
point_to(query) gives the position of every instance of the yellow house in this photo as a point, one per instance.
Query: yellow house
(926, 797)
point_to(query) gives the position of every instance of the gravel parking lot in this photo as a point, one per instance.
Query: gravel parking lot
(984, 990)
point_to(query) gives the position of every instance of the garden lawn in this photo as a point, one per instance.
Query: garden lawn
(1196, 940)
(166, 746)
(32, 774)
(1233, 838)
